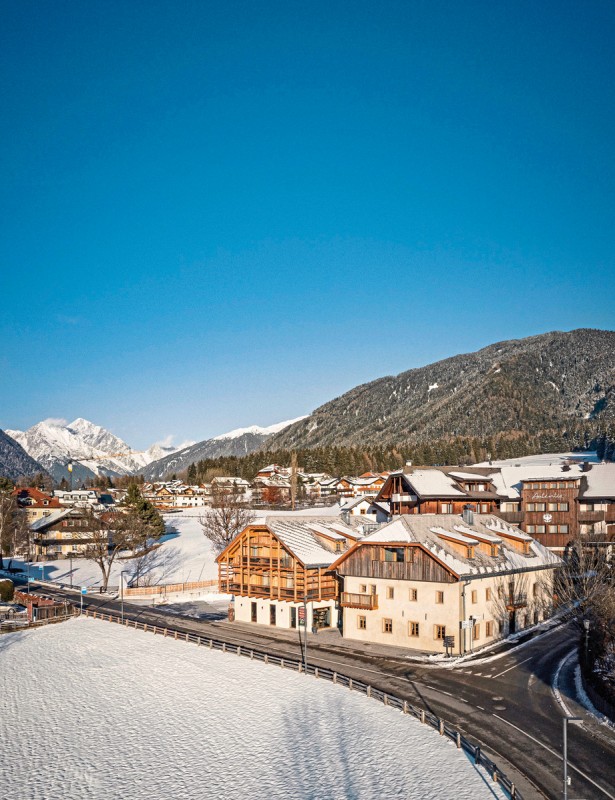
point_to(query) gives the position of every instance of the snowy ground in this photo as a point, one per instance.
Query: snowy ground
(187, 553)
(102, 712)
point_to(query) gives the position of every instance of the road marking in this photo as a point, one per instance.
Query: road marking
(481, 708)
(513, 666)
(555, 685)
(555, 753)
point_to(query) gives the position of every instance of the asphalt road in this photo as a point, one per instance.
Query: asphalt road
(506, 705)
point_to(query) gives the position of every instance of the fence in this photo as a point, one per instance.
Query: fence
(421, 714)
(167, 588)
(9, 627)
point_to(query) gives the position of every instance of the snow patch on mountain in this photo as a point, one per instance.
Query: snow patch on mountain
(257, 430)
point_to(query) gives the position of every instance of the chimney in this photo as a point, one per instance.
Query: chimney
(346, 517)
(408, 463)
(586, 466)
(468, 515)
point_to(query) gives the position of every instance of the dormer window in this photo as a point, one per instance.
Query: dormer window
(393, 554)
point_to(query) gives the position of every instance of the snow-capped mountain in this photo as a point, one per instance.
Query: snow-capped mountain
(92, 449)
(256, 430)
(238, 442)
(14, 461)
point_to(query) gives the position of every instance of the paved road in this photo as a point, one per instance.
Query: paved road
(507, 704)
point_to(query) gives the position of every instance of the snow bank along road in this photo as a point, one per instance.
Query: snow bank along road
(102, 711)
(506, 705)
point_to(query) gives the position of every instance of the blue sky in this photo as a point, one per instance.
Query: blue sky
(221, 214)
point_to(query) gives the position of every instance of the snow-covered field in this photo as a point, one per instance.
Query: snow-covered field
(93, 711)
(185, 550)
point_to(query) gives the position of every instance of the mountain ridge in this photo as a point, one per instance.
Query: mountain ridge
(513, 385)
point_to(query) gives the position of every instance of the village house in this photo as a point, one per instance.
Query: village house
(279, 570)
(64, 533)
(34, 503)
(430, 581)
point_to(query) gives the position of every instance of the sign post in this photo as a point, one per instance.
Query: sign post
(83, 591)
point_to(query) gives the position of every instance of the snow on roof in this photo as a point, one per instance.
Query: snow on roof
(471, 476)
(455, 536)
(300, 538)
(507, 480)
(600, 481)
(486, 537)
(55, 516)
(419, 528)
(433, 483)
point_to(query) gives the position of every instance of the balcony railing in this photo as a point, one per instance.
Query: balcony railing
(591, 516)
(352, 600)
(518, 600)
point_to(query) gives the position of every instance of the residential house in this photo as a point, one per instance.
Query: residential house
(430, 581)
(64, 533)
(34, 503)
(279, 570)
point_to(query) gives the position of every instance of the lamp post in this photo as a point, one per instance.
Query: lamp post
(69, 467)
(305, 630)
(566, 720)
(70, 556)
(586, 624)
(122, 573)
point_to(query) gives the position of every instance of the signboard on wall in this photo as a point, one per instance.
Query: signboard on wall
(301, 615)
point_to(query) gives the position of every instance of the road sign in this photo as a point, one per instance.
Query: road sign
(301, 615)
(467, 623)
(84, 590)
(449, 641)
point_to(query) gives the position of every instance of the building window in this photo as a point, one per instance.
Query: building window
(362, 623)
(540, 528)
(439, 597)
(446, 508)
(372, 588)
(530, 528)
(487, 594)
(563, 528)
(484, 508)
(390, 593)
(387, 625)
(552, 529)
(439, 631)
(474, 596)
(363, 588)
(414, 594)
(489, 629)
(476, 632)
(413, 629)
(393, 554)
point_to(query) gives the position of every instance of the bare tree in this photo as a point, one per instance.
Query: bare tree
(227, 518)
(153, 565)
(585, 585)
(14, 527)
(106, 538)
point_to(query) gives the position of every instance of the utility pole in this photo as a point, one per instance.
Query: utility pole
(566, 720)
(293, 480)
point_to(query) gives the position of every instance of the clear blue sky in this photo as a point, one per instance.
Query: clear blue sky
(220, 214)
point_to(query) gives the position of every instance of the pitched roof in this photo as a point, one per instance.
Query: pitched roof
(425, 529)
(300, 536)
(433, 483)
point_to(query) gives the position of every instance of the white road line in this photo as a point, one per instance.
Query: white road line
(513, 666)
(555, 686)
(441, 691)
(482, 709)
(555, 753)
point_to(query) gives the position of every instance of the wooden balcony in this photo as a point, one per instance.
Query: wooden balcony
(591, 516)
(352, 600)
(518, 601)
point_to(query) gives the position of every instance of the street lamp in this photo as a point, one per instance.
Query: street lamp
(566, 720)
(122, 573)
(305, 630)
(586, 624)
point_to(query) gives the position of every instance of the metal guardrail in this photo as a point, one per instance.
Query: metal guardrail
(426, 717)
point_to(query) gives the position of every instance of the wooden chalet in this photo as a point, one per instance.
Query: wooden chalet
(434, 491)
(280, 570)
